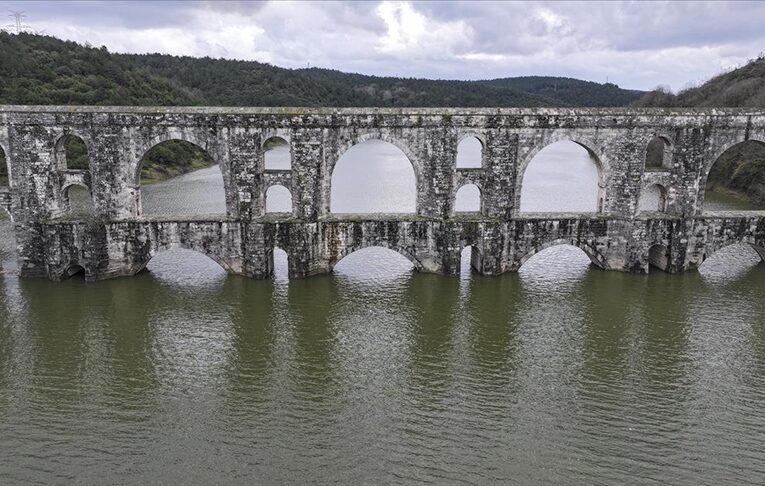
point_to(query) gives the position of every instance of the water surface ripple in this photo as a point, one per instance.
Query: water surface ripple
(559, 374)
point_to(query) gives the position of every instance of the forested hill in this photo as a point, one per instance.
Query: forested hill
(45, 70)
(742, 87)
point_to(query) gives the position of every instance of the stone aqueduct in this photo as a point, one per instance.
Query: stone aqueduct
(118, 240)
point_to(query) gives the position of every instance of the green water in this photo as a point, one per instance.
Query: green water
(559, 374)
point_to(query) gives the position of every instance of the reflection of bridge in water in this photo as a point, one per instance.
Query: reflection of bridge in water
(636, 150)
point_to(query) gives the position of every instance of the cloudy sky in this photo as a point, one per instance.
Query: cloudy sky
(634, 44)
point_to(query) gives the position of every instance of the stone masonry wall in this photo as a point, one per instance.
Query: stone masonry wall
(119, 241)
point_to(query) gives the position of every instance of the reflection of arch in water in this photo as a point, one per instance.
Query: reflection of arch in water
(593, 254)
(601, 164)
(393, 249)
(356, 145)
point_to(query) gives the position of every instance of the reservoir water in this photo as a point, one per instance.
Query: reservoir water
(558, 374)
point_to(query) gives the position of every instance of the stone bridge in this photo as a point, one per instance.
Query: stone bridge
(118, 240)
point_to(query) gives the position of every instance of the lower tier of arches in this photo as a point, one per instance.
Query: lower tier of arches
(121, 248)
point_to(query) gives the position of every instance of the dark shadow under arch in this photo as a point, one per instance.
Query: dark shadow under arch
(659, 257)
(5, 168)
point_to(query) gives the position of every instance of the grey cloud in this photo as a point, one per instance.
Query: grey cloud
(636, 44)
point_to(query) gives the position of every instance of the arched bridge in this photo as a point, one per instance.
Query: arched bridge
(119, 240)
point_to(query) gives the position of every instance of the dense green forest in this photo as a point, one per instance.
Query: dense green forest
(44, 70)
(741, 87)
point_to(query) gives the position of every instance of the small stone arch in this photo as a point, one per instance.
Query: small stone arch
(405, 252)
(66, 200)
(6, 161)
(647, 199)
(366, 137)
(271, 160)
(659, 256)
(593, 254)
(468, 190)
(474, 261)
(658, 153)
(272, 192)
(71, 270)
(463, 159)
(276, 254)
(601, 162)
(59, 150)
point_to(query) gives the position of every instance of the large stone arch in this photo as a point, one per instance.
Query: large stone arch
(714, 246)
(589, 144)
(340, 148)
(593, 254)
(403, 251)
(716, 153)
(162, 248)
(211, 144)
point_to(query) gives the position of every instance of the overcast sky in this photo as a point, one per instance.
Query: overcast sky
(635, 44)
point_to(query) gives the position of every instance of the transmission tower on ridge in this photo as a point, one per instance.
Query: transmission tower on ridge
(18, 25)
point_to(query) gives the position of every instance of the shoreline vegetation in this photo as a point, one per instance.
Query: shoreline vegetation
(40, 69)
